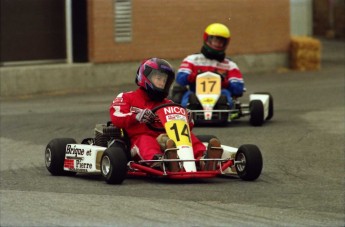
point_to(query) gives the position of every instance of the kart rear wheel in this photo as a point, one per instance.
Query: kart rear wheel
(114, 165)
(256, 108)
(250, 158)
(270, 104)
(55, 156)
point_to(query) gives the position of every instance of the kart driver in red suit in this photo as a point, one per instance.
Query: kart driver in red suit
(132, 110)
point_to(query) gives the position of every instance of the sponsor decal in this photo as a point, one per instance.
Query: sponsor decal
(208, 101)
(172, 117)
(68, 164)
(175, 113)
(174, 110)
(82, 165)
(88, 153)
(74, 150)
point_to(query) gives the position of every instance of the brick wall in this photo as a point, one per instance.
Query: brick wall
(173, 29)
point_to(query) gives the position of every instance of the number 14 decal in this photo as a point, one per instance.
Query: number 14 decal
(184, 132)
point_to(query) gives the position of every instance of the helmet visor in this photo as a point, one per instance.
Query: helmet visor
(217, 42)
(159, 79)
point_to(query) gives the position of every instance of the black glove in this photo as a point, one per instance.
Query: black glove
(145, 116)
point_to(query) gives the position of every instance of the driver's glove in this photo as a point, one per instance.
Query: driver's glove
(145, 116)
(190, 117)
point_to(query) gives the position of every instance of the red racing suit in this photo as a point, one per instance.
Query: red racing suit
(143, 140)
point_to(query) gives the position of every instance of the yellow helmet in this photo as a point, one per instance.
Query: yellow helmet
(219, 31)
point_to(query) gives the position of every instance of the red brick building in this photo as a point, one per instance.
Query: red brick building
(40, 31)
(173, 29)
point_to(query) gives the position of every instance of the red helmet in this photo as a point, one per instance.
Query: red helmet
(155, 76)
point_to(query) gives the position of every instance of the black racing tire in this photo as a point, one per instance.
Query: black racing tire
(205, 138)
(194, 103)
(55, 156)
(270, 105)
(222, 104)
(256, 108)
(251, 158)
(114, 165)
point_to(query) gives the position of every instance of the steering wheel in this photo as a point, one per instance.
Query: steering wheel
(154, 110)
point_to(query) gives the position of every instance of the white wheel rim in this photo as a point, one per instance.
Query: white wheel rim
(241, 166)
(105, 165)
(48, 157)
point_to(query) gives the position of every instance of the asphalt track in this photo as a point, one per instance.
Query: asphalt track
(302, 183)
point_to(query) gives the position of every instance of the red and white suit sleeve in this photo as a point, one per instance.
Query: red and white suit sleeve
(120, 112)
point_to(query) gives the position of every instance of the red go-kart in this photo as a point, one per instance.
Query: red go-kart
(108, 153)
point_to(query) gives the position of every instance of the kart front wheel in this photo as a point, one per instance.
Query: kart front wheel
(248, 162)
(114, 165)
(54, 156)
(256, 113)
(270, 104)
